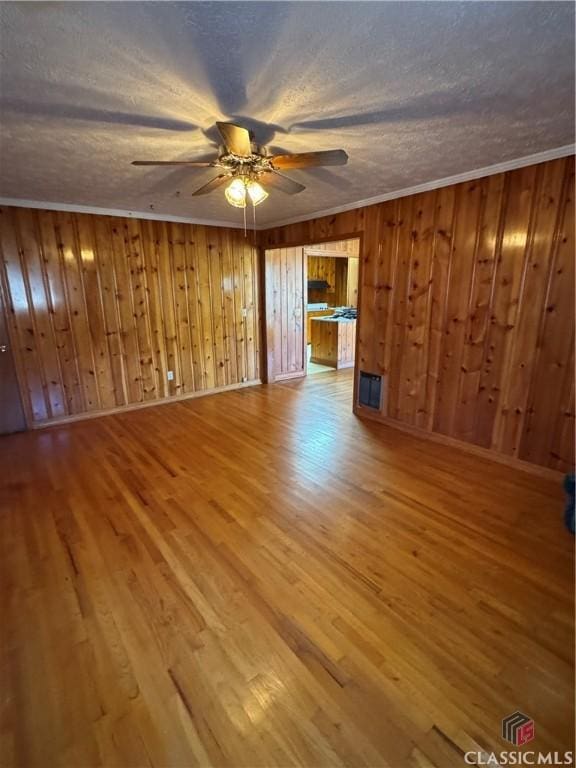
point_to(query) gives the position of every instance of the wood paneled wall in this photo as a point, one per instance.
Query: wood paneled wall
(101, 308)
(353, 271)
(467, 308)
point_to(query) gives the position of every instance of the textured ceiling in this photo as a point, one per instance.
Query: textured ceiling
(412, 91)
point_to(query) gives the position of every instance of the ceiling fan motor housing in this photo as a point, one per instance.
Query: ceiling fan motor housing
(253, 165)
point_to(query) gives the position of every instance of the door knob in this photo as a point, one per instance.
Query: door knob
(3, 347)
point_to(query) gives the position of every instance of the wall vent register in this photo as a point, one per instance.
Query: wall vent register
(370, 390)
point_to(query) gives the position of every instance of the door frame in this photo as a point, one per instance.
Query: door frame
(306, 244)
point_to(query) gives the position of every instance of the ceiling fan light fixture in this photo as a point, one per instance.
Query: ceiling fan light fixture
(256, 192)
(236, 193)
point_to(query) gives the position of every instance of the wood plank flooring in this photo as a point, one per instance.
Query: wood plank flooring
(258, 578)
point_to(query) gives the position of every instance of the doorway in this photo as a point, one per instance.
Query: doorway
(11, 411)
(332, 305)
(311, 308)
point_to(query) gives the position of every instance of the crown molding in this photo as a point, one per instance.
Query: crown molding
(478, 173)
(18, 203)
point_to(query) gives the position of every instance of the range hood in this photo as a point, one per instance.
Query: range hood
(318, 285)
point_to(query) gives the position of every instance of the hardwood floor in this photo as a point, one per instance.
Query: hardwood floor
(260, 579)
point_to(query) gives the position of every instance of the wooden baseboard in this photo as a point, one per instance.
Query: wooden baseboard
(136, 406)
(452, 442)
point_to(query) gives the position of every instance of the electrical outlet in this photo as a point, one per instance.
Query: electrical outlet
(244, 312)
(170, 375)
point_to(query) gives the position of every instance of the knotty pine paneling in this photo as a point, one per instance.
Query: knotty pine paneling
(101, 308)
(467, 308)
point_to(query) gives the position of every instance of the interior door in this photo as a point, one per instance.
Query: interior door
(11, 411)
(285, 285)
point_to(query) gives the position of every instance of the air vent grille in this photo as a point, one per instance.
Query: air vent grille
(370, 390)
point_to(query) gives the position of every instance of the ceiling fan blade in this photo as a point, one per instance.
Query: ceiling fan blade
(236, 139)
(310, 159)
(212, 184)
(283, 183)
(191, 163)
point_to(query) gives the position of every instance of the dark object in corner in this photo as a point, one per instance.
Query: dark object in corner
(569, 482)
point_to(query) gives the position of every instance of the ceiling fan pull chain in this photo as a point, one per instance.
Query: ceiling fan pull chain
(254, 220)
(244, 211)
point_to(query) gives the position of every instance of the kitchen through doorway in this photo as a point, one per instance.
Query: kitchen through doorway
(331, 305)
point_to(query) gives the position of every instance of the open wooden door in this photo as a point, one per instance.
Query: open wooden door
(285, 283)
(11, 411)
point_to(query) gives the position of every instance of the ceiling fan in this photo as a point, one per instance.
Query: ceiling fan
(248, 166)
